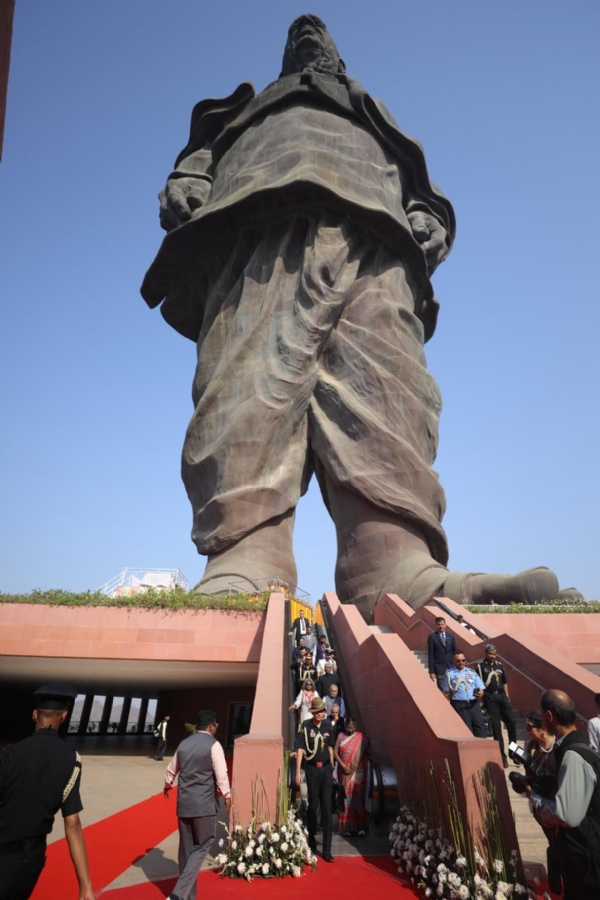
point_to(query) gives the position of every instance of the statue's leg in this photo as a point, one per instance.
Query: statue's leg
(265, 553)
(379, 553)
(371, 544)
(245, 463)
(373, 425)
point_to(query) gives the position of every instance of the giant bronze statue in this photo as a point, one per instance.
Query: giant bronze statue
(303, 230)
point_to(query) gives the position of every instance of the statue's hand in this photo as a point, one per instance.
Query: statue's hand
(431, 235)
(180, 198)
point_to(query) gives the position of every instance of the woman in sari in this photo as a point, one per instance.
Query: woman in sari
(350, 750)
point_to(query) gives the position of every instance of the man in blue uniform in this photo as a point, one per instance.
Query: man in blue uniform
(463, 686)
(39, 776)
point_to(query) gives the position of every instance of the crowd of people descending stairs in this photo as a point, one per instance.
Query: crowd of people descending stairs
(330, 754)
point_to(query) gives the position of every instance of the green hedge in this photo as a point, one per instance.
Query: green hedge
(150, 599)
(593, 606)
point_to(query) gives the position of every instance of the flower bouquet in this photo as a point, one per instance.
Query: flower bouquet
(435, 865)
(266, 850)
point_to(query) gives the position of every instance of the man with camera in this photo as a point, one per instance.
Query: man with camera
(540, 773)
(575, 810)
(496, 701)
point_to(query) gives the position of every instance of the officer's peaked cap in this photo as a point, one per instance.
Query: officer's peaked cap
(55, 696)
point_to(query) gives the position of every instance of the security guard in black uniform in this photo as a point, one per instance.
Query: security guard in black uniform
(39, 776)
(315, 752)
(491, 672)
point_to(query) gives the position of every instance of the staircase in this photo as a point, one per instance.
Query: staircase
(531, 837)
(422, 656)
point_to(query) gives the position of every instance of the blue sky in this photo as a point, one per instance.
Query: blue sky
(95, 393)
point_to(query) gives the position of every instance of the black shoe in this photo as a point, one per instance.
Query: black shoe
(328, 857)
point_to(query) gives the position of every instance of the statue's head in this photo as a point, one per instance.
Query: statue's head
(310, 46)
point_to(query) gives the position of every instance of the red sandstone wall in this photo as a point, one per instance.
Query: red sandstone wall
(574, 635)
(261, 751)
(117, 633)
(531, 665)
(405, 715)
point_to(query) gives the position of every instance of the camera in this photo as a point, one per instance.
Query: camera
(520, 756)
(542, 781)
(518, 781)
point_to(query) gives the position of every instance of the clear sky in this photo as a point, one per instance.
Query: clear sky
(95, 392)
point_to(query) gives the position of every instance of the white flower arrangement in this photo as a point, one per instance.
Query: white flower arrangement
(245, 852)
(441, 871)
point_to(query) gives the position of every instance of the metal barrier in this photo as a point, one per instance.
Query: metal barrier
(290, 694)
(318, 615)
(452, 615)
(385, 799)
(509, 665)
(351, 705)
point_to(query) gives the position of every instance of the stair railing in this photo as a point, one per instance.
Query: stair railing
(541, 688)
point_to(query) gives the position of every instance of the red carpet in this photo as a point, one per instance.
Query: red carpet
(373, 878)
(113, 844)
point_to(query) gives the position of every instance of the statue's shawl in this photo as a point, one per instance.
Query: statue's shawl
(216, 124)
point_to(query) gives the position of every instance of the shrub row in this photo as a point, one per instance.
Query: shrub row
(592, 606)
(150, 599)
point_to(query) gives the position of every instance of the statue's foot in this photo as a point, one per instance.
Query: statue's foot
(572, 594)
(244, 577)
(531, 586)
(419, 577)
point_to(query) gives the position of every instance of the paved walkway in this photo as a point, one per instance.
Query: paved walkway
(120, 772)
(117, 772)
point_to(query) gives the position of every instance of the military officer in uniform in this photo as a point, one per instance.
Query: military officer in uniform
(315, 753)
(39, 776)
(491, 671)
(463, 686)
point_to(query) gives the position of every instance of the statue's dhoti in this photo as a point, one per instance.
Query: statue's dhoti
(310, 359)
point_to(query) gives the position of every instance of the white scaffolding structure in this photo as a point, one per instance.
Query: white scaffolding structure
(132, 581)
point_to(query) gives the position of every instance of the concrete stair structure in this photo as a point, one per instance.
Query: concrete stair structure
(406, 717)
(532, 841)
(422, 656)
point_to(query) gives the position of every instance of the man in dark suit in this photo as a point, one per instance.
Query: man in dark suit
(440, 648)
(299, 626)
(296, 651)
